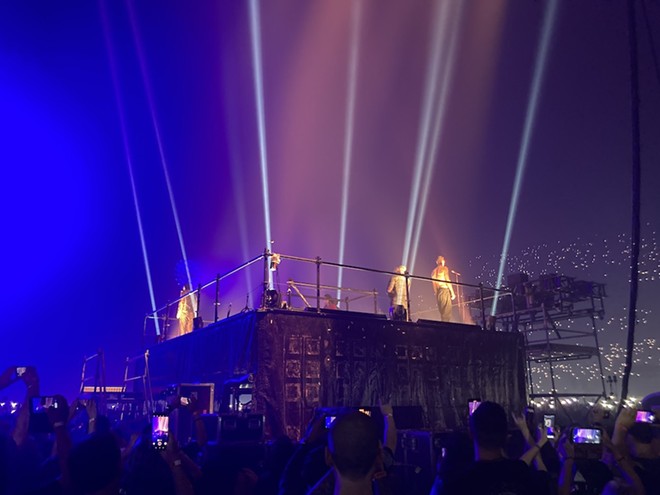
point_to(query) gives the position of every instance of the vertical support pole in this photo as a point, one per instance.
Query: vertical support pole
(407, 275)
(318, 284)
(515, 312)
(166, 323)
(198, 298)
(600, 362)
(483, 306)
(263, 295)
(217, 297)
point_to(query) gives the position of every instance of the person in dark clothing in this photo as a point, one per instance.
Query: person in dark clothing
(492, 473)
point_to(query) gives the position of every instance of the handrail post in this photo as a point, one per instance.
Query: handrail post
(318, 284)
(515, 313)
(483, 306)
(199, 298)
(217, 296)
(407, 275)
(263, 295)
(166, 323)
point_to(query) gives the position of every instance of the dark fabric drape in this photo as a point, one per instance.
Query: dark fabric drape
(302, 361)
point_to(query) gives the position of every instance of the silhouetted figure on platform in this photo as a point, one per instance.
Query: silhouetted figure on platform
(444, 292)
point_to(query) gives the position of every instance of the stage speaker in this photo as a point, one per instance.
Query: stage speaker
(416, 460)
(203, 393)
(408, 417)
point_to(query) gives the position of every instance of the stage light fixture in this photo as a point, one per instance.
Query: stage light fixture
(271, 298)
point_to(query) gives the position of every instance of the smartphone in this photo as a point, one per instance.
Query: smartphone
(160, 430)
(645, 417)
(549, 425)
(329, 420)
(587, 443)
(591, 436)
(41, 404)
(39, 422)
(472, 405)
(19, 372)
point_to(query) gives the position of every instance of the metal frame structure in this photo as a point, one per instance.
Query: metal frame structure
(558, 316)
(140, 374)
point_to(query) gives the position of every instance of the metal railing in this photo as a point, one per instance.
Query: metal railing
(310, 287)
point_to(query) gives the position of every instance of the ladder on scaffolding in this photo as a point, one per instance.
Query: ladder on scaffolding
(97, 391)
(136, 377)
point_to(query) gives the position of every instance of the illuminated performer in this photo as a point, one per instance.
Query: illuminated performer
(185, 312)
(444, 292)
(398, 294)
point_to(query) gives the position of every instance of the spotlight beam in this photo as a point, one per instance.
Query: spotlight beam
(122, 121)
(530, 119)
(436, 133)
(430, 91)
(348, 138)
(152, 109)
(255, 32)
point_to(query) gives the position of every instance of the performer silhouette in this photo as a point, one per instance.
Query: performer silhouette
(444, 292)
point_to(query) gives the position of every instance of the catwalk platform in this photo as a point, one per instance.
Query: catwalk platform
(298, 361)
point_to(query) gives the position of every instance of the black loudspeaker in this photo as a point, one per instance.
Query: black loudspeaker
(408, 417)
(416, 460)
(241, 428)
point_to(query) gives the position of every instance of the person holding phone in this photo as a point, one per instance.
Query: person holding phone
(635, 440)
(492, 472)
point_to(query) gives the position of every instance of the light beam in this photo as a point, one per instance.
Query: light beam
(348, 137)
(454, 20)
(430, 92)
(152, 109)
(255, 32)
(530, 119)
(127, 154)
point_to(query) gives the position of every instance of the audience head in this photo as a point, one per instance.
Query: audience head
(354, 445)
(95, 463)
(488, 425)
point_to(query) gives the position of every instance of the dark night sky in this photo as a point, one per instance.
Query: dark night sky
(75, 270)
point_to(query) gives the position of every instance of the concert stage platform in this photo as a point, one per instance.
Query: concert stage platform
(301, 360)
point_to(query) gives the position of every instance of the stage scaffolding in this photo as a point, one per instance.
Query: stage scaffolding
(558, 316)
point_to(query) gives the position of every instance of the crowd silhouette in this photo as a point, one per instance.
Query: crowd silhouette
(48, 446)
